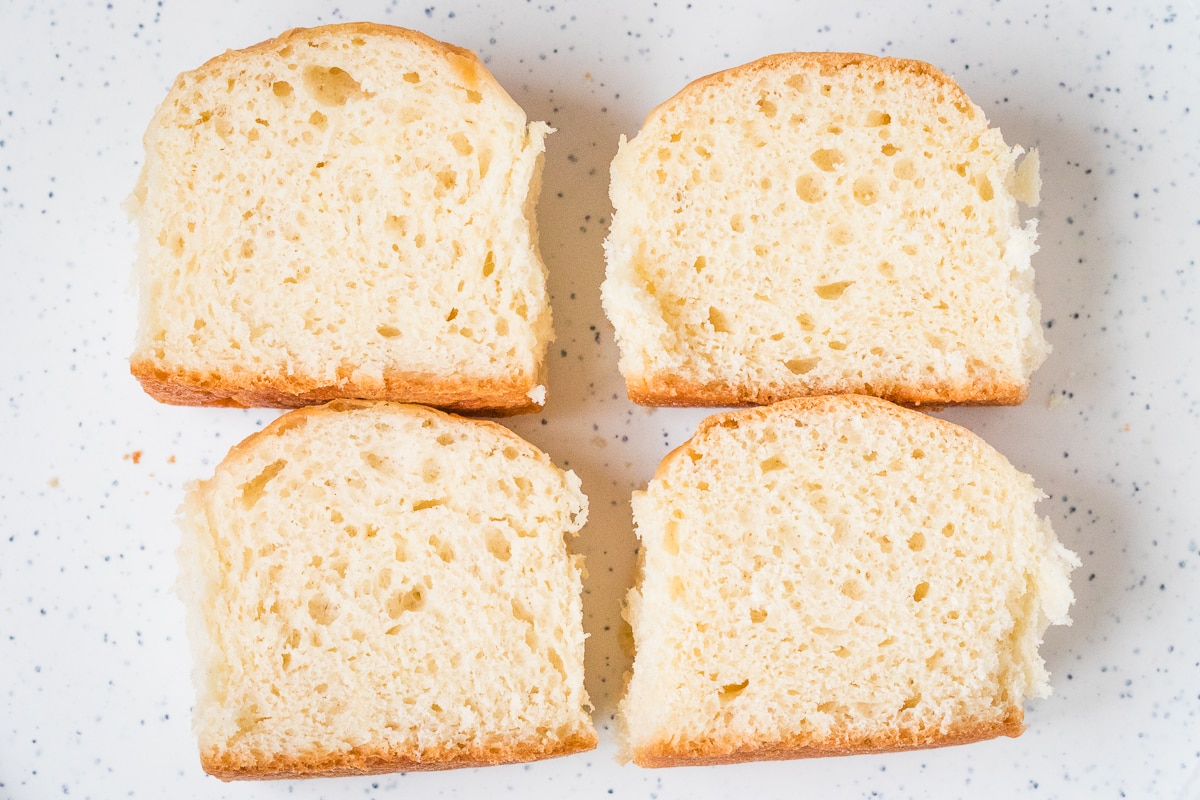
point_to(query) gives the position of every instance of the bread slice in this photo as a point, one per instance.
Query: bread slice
(345, 211)
(816, 223)
(381, 587)
(836, 575)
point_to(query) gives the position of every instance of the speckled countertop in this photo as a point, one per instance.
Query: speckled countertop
(95, 691)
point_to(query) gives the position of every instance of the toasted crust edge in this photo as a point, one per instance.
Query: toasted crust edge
(379, 760)
(471, 67)
(672, 390)
(478, 397)
(665, 753)
(822, 61)
(823, 404)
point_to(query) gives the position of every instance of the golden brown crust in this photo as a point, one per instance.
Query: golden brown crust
(826, 63)
(381, 759)
(299, 417)
(702, 753)
(464, 395)
(818, 404)
(468, 64)
(680, 392)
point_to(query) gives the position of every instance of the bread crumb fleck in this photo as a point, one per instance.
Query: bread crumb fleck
(537, 394)
(1058, 400)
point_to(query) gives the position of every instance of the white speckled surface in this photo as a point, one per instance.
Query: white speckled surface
(94, 668)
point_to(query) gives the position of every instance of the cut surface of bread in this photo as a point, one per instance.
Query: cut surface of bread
(820, 223)
(345, 211)
(379, 588)
(835, 575)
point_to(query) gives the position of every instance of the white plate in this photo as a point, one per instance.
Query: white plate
(94, 669)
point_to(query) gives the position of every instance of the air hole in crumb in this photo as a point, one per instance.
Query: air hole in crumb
(866, 191)
(332, 86)
(474, 97)
(247, 250)
(841, 234)
(767, 108)
(489, 264)
(318, 120)
(827, 159)
(904, 169)
(889, 149)
(877, 118)
(921, 591)
(911, 702)
(321, 610)
(730, 691)
(282, 89)
(984, 187)
(452, 314)
(948, 530)
(758, 615)
(395, 225)
(799, 366)
(445, 439)
(498, 545)
(833, 291)
(510, 453)
(671, 537)
(853, 589)
(412, 77)
(772, 464)
(462, 145)
(809, 188)
(253, 489)
(421, 505)
(556, 661)
(718, 321)
(737, 224)
(443, 549)
(916, 542)
(700, 263)
(411, 600)
(387, 331)
(836, 345)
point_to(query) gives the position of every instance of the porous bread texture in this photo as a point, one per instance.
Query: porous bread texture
(816, 223)
(835, 575)
(344, 211)
(381, 587)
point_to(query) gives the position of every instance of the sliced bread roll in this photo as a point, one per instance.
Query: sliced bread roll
(836, 575)
(380, 587)
(816, 223)
(345, 211)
